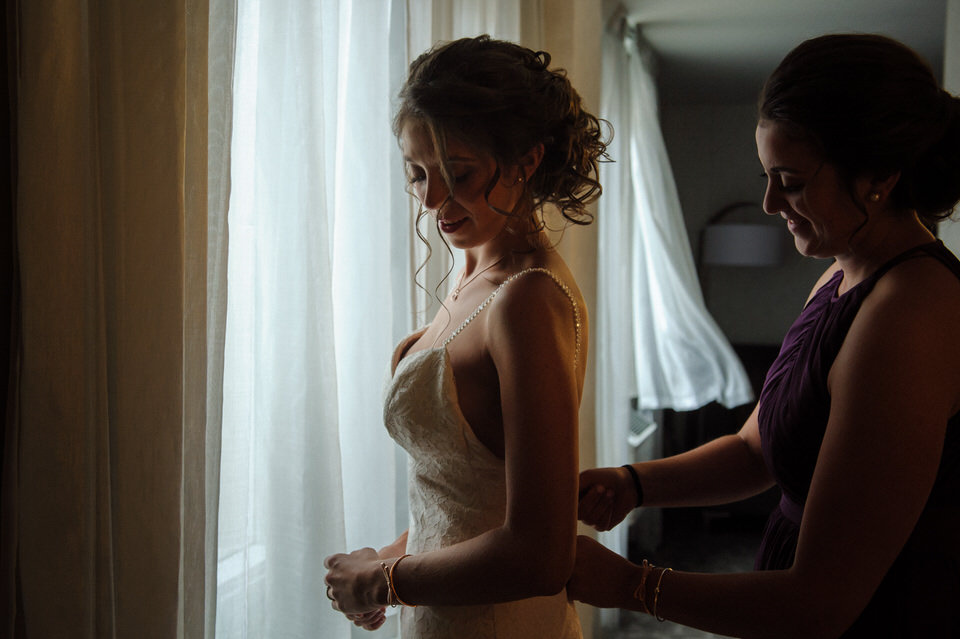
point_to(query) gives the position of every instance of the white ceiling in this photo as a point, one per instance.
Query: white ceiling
(720, 51)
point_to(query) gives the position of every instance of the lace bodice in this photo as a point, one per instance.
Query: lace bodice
(457, 490)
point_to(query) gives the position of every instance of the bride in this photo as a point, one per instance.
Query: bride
(485, 398)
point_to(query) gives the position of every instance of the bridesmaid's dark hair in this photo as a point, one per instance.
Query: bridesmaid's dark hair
(872, 107)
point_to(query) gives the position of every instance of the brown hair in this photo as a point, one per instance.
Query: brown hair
(502, 99)
(873, 107)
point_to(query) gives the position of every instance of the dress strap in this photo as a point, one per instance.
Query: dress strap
(934, 249)
(537, 269)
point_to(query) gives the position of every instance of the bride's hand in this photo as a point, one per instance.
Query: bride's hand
(355, 582)
(601, 577)
(371, 620)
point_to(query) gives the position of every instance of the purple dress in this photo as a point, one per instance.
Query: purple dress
(920, 595)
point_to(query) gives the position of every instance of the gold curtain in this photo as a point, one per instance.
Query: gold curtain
(105, 487)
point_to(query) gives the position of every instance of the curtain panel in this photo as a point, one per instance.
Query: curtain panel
(144, 122)
(318, 272)
(323, 282)
(104, 511)
(681, 359)
(656, 342)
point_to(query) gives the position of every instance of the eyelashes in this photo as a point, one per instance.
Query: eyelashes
(784, 188)
(416, 179)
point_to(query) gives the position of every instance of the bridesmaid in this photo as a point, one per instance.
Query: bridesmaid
(858, 421)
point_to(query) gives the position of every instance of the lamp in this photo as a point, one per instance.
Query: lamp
(740, 243)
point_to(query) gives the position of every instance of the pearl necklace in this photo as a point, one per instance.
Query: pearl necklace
(462, 285)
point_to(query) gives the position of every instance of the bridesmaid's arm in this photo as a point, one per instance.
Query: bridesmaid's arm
(893, 387)
(727, 469)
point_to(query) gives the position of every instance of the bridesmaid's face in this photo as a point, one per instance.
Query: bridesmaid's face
(807, 192)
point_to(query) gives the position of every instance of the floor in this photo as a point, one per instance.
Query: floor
(696, 542)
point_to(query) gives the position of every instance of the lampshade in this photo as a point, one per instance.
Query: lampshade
(736, 244)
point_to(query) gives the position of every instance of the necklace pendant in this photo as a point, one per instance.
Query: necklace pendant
(462, 285)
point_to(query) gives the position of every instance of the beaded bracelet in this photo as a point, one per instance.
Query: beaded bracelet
(656, 594)
(640, 593)
(393, 583)
(636, 483)
(391, 601)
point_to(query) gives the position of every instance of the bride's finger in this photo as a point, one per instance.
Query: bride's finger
(372, 620)
(366, 616)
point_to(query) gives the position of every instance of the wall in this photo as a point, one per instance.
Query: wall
(950, 231)
(714, 160)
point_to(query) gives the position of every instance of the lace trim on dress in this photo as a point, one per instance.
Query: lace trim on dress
(537, 269)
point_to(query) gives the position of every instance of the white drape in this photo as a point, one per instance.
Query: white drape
(222, 28)
(681, 358)
(318, 232)
(321, 286)
(655, 339)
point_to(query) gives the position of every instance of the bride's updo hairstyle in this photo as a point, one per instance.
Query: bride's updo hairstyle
(872, 107)
(502, 99)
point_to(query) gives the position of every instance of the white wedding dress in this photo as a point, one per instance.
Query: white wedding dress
(457, 491)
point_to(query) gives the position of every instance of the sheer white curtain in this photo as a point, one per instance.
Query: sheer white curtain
(321, 286)
(655, 339)
(319, 234)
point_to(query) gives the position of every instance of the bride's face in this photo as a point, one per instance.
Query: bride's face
(467, 214)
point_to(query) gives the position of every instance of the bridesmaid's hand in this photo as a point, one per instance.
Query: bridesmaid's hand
(607, 495)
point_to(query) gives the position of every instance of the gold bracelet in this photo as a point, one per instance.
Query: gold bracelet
(393, 583)
(640, 593)
(391, 601)
(656, 594)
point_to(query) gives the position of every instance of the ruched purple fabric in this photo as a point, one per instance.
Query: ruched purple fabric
(920, 594)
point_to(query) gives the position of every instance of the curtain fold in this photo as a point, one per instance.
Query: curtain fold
(9, 293)
(319, 239)
(681, 358)
(321, 272)
(656, 342)
(220, 28)
(111, 214)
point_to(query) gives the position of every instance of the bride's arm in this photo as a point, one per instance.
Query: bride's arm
(395, 549)
(531, 337)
